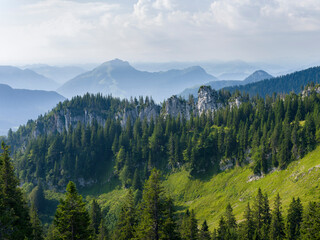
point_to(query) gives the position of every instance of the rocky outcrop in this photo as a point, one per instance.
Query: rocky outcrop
(309, 90)
(148, 112)
(208, 100)
(175, 106)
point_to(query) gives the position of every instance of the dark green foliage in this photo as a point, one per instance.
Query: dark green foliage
(72, 220)
(103, 232)
(294, 219)
(277, 228)
(37, 230)
(281, 84)
(267, 131)
(14, 213)
(189, 226)
(127, 219)
(204, 233)
(37, 198)
(247, 227)
(95, 215)
(311, 225)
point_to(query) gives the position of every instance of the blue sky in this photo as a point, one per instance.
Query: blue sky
(66, 32)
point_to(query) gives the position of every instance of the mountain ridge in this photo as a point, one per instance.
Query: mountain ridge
(120, 79)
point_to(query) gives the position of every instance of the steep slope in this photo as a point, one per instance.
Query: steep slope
(20, 105)
(209, 197)
(120, 79)
(254, 77)
(25, 79)
(284, 84)
(236, 186)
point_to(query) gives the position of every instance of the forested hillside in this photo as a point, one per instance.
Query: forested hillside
(282, 85)
(269, 132)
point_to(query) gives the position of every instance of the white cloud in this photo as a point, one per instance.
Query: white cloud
(156, 30)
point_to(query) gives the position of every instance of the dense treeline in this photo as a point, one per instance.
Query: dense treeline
(155, 217)
(269, 132)
(282, 85)
(152, 217)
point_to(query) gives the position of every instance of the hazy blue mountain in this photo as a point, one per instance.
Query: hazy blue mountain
(19, 105)
(25, 79)
(258, 75)
(120, 79)
(59, 74)
(283, 84)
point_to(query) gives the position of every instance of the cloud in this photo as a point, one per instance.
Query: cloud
(158, 30)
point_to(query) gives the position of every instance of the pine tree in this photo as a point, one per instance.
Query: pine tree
(247, 228)
(14, 218)
(71, 219)
(37, 198)
(152, 208)
(294, 219)
(204, 233)
(95, 215)
(103, 232)
(223, 229)
(310, 228)
(189, 226)
(127, 219)
(37, 230)
(231, 223)
(169, 231)
(277, 228)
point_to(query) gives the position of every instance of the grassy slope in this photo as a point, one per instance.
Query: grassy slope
(209, 198)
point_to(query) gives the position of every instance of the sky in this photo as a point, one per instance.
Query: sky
(83, 31)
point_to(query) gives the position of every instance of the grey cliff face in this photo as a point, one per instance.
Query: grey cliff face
(208, 100)
(175, 106)
(148, 112)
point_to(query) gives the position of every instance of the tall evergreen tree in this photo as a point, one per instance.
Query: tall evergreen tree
(95, 215)
(294, 219)
(247, 227)
(37, 229)
(152, 209)
(127, 219)
(204, 233)
(277, 228)
(15, 219)
(71, 219)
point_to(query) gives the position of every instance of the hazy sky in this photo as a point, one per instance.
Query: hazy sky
(65, 31)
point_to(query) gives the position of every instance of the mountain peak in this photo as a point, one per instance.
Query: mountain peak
(258, 75)
(115, 63)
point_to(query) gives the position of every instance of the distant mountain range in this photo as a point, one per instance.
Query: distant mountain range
(292, 82)
(26, 79)
(254, 77)
(120, 79)
(19, 105)
(58, 74)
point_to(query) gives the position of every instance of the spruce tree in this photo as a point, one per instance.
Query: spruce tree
(103, 232)
(15, 218)
(277, 228)
(231, 223)
(37, 229)
(71, 219)
(294, 219)
(152, 208)
(204, 233)
(127, 219)
(310, 228)
(95, 215)
(247, 228)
